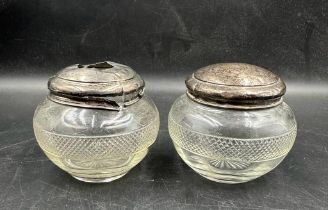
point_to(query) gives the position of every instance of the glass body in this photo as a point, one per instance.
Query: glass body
(228, 145)
(96, 145)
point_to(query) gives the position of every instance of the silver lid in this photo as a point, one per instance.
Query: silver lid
(236, 86)
(104, 85)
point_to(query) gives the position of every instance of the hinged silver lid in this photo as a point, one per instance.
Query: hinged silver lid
(236, 86)
(104, 85)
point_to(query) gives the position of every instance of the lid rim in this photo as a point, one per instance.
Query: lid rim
(94, 89)
(95, 101)
(237, 104)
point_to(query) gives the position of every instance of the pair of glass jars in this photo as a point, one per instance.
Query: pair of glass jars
(231, 126)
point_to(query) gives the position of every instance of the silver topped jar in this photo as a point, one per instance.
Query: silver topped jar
(96, 122)
(232, 125)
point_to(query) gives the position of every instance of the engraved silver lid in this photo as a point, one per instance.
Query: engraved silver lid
(104, 85)
(235, 86)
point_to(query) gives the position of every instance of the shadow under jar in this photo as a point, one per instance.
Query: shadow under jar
(232, 125)
(96, 124)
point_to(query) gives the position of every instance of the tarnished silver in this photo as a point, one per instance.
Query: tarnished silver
(104, 85)
(236, 86)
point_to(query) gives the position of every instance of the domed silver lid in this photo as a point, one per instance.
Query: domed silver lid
(236, 86)
(105, 85)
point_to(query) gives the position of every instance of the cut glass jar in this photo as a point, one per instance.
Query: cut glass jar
(96, 122)
(232, 125)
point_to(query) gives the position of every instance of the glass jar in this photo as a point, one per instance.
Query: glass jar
(232, 125)
(96, 123)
